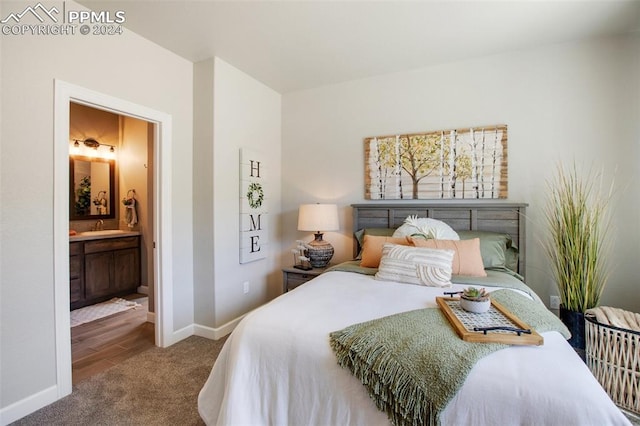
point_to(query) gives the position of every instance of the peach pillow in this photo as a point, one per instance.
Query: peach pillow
(467, 259)
(372, 248)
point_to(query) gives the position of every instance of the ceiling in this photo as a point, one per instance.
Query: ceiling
(294, 45)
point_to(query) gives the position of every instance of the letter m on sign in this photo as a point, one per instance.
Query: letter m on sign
(255, 222)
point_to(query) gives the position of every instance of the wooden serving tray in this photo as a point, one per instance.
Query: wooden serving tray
(463, 323)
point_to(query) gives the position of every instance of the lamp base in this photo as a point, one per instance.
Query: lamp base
(319, 252)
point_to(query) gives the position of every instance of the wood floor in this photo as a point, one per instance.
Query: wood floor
(100, 344)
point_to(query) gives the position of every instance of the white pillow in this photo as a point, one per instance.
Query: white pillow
(426, 227)
(415, 265)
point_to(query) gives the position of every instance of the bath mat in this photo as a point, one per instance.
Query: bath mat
(101, 310)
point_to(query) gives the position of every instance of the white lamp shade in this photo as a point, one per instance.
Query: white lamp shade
(318, 217)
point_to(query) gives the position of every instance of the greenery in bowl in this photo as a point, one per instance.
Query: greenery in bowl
(475, 300)
(475, 294)
(577, 217)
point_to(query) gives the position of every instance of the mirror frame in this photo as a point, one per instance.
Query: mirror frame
(72, 192)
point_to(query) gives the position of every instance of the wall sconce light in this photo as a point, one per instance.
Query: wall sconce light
(91, 143)
(318, 218)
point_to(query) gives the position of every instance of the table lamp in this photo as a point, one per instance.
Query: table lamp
(318, 218)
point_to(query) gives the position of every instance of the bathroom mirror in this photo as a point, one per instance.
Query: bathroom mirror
(91, 188)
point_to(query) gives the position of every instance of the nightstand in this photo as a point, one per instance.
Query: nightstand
(292, 277)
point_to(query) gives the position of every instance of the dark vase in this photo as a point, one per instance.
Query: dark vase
(575, 323)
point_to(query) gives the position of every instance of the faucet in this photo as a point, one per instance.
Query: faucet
(99, 225)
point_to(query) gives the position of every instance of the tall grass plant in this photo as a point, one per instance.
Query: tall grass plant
(578, 219)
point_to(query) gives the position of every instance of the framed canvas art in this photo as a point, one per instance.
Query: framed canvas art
(459, 163)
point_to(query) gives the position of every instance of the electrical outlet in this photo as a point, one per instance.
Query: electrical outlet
(245, 287)
(554, 302)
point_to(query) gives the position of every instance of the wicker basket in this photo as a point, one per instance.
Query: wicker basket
(613, 356)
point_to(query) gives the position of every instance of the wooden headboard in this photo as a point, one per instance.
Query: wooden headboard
(495, 216)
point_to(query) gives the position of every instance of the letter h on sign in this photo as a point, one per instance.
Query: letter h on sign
(253, 207)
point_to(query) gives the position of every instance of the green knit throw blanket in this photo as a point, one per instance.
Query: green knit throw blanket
(413, 363)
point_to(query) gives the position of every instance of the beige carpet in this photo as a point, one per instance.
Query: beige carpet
(156, 387)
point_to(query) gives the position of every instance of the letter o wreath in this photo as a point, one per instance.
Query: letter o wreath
(255, 195)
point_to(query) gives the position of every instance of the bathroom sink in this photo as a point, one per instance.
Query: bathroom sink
(99, 233)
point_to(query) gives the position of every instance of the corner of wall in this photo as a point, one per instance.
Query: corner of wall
(203, 180)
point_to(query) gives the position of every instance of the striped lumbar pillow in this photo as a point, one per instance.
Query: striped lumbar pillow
(415, 265)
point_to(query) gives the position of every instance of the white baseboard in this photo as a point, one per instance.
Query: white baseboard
(151, 317)
(143, 289)
(28, 405)
(215, 333)
(179, 335)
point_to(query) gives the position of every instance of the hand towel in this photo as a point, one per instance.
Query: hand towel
(131, 214)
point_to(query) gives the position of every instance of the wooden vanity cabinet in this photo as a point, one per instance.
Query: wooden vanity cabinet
(76, 272)
(111, 269)
(98, 275)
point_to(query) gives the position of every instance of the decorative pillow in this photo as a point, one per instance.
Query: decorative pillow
(372, 248)
(412, 265)
(511, 257)
(466, 260)
(497, 249)
(427, 228)
(360, 233)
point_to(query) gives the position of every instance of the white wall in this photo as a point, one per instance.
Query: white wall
(203, 254)
(134, 166)
(127, 67)
(562, 103)
(231, 111)
(246, 114)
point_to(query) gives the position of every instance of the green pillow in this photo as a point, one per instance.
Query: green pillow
(511, 258)
(497, 249)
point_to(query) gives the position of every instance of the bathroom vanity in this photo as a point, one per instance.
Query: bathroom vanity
(103, 265)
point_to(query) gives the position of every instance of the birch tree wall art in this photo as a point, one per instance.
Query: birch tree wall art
(460, 163)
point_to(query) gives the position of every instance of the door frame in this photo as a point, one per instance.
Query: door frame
(162, 226)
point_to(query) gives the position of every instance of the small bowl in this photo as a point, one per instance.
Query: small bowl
(475, 306)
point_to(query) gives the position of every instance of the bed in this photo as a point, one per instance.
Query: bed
(280, 365)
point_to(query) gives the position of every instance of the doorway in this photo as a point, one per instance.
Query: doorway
(111, 173)
(66, 93)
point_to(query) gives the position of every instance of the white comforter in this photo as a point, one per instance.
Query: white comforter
(277, 368)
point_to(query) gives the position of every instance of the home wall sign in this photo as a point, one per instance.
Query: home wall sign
(254, 238)
(459, 163)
